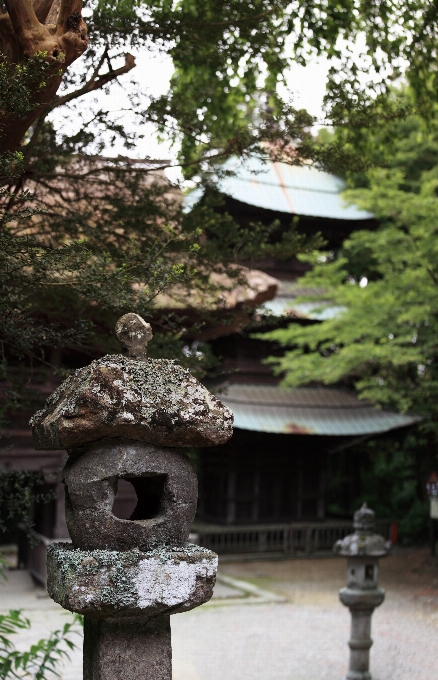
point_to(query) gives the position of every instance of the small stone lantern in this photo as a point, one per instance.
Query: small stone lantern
(432, 492)
(362, 595)
(130, 417)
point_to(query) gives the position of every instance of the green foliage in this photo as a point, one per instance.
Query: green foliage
(390, 474)
(18, 83)
(385, 340)
(408, 144)
(41, 661)
(391, 484)
(20, 490)
(228, 242)
(229, 58)
(386, 283)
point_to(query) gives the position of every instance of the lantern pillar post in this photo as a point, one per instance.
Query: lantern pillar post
(432, 492)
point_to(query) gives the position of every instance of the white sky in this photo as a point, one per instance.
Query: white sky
(308, 85)
(153, 72)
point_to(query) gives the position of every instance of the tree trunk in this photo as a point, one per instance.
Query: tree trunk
(53, 27)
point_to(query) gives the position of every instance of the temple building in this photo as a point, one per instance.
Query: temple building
(274, 473)
(267, 489)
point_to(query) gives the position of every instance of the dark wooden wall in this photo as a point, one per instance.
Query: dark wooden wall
(259, 477)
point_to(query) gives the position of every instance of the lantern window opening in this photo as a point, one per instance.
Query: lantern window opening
(369, 572)
(147, 492)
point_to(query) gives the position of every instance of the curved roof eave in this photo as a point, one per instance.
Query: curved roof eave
(307, 410)
(292, 189)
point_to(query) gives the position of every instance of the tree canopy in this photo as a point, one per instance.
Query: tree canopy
(93, 253)
(229, 58)
(386, 283)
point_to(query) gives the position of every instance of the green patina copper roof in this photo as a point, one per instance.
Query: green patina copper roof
(285, 302)
(297, 190)
(307, 410)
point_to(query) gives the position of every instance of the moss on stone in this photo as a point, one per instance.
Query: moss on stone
(156, 401)
(72, 570)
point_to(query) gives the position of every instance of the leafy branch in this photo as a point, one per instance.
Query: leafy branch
(43, 658)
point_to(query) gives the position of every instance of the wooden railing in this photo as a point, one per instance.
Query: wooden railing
(296, 537)
(303, 538)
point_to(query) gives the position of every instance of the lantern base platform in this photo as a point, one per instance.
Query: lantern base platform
(362, 599)
(358, 675)
(108, 584)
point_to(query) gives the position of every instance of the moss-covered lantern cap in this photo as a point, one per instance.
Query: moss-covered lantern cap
(151, 400)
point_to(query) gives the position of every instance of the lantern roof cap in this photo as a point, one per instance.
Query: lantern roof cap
(363, 542)
(364, 519)
(151, 400)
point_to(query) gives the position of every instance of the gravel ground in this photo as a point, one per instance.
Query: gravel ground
(303, 638)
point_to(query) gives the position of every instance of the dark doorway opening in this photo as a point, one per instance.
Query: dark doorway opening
(139, 498)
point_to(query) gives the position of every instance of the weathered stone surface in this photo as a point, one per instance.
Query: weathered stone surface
(363, 541)
(137, 649)
(166, 486)
(105, 583)
(362, 544)
(154, 401)
(134, 334)
(362, 595)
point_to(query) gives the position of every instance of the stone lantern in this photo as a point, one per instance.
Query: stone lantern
(130, 417)
(363, 549)
(432, 492)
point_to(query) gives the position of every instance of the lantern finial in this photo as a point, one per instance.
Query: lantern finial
(134, 334)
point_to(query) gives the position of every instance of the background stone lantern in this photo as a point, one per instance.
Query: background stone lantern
(432, 493)
(362, 595)
(130, 418)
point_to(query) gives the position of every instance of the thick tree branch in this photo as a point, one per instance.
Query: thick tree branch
(22, 16)
(69, 15)
(95, 83)
(42, 9)
(22, 35)
(52, 17)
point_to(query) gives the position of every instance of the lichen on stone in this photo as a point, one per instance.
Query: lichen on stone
(98, 582)
(155, 401)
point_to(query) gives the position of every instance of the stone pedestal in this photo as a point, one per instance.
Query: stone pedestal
(126, 599)
(128, 649)
(107, 583)
(361, 606)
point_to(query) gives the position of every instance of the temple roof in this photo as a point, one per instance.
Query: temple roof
(285, 302)
(306, 410)
(298, 190)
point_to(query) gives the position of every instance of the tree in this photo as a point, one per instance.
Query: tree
(208, 42)
(92, 236)
(229, 58)
(386, 282)
(53, 28)
(222, 101)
